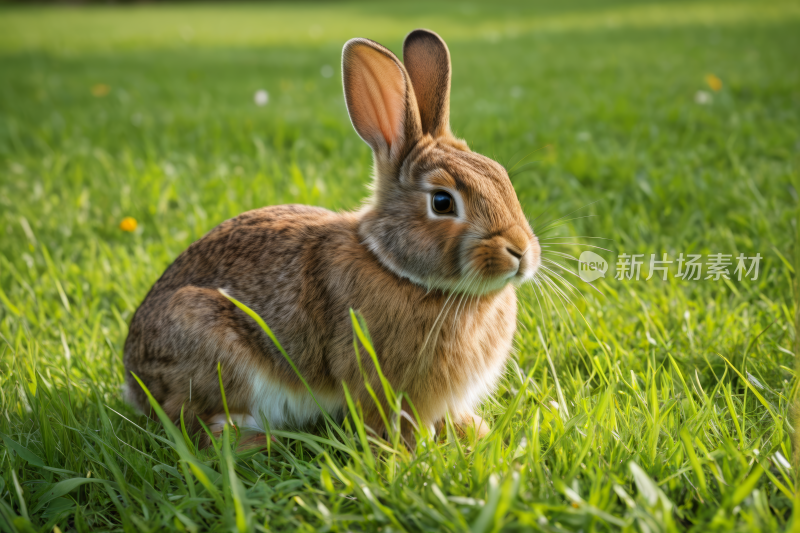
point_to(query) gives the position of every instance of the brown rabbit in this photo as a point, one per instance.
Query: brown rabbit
(431, 261)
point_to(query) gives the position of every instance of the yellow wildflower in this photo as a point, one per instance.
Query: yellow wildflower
(100, 89)
(713, 82)
(128, 224)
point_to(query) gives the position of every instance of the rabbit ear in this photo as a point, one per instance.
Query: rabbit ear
(380, 99)
(427, 61)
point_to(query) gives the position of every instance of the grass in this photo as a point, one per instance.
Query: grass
(651, 405)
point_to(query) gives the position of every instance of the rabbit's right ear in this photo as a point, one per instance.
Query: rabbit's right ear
(380, 99)
(427, 61)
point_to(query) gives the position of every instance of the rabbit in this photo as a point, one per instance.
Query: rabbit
(432, 261)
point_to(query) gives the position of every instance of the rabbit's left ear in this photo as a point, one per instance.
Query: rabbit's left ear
(380, 100)
(427, 61)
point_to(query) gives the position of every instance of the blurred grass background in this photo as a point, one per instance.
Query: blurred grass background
(148, 111)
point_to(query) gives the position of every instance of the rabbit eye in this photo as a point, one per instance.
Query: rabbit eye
(442, 203)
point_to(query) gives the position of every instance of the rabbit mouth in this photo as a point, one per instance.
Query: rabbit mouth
(479, 282)
(498, 261)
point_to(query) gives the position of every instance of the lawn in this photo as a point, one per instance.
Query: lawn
(653, 405)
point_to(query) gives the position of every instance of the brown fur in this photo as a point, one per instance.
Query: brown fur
(440, 339)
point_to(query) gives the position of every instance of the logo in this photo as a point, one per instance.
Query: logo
(591, 266)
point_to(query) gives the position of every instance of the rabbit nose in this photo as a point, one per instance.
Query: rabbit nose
(514, 252)
(517, 241)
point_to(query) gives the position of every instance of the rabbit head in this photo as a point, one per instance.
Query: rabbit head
(440, 215)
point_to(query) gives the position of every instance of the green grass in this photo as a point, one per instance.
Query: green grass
(673, 411)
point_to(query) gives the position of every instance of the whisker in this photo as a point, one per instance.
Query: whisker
(561, 290)
(552, 225)
(552, 258)
(560, 254)
(563, 280)
(463, 296)
(476, 303)
(576, 237)
(541, 311)
(573, 273)
(464, 283)
(522, 324)
(560, 294)
(468, 299)
(550, 283)
(573, 244)
(546, 296)
(544, 277)
(571, 212)
(521, 169)
(543, 213)
(458, 303)
(509, 171)
(444, 306)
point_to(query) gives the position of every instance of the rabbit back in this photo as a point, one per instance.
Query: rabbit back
(185, 327)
